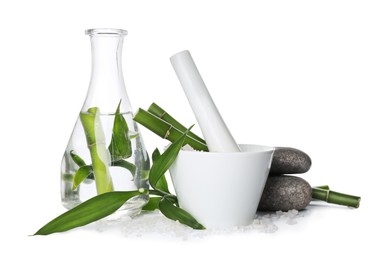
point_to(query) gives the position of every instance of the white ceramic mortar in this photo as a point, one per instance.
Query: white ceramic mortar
(222, 190)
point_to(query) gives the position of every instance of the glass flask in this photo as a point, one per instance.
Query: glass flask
(106, 151)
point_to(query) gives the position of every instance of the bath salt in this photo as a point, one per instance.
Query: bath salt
(156, 224)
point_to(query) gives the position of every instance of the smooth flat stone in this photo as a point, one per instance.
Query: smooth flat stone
(285, 193)
(288, 160)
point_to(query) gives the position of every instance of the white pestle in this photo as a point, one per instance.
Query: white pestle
(214, 129)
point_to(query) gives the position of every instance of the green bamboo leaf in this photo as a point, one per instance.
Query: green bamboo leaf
(125, 164)
(162, 182)
(163, 162)
(80, 162)
(77, 159)
(166, 206)
(89, 211)
(152, 204)
(155, 155)
(81, 174)
(120, 146)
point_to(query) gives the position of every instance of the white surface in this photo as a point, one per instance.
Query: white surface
(315, 75)
(232, 184)
(215, 132)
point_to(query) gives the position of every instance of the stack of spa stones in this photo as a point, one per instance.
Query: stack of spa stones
(282, 191)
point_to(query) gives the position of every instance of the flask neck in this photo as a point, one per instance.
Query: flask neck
(107, 87)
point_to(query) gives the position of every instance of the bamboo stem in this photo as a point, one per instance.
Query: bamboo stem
(162, 114)
(324, 187)
(99, 154)
(165, 130)
(335, 197)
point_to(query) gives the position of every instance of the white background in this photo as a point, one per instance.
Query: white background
(307, 74)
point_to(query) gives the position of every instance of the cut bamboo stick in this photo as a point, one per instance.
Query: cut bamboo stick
(165, 130)
(162, 114)
(336, 197)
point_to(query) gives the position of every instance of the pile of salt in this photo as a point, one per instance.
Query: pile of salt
(155, 224)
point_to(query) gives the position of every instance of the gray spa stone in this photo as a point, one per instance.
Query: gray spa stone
(288, 160)
(285, 193)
